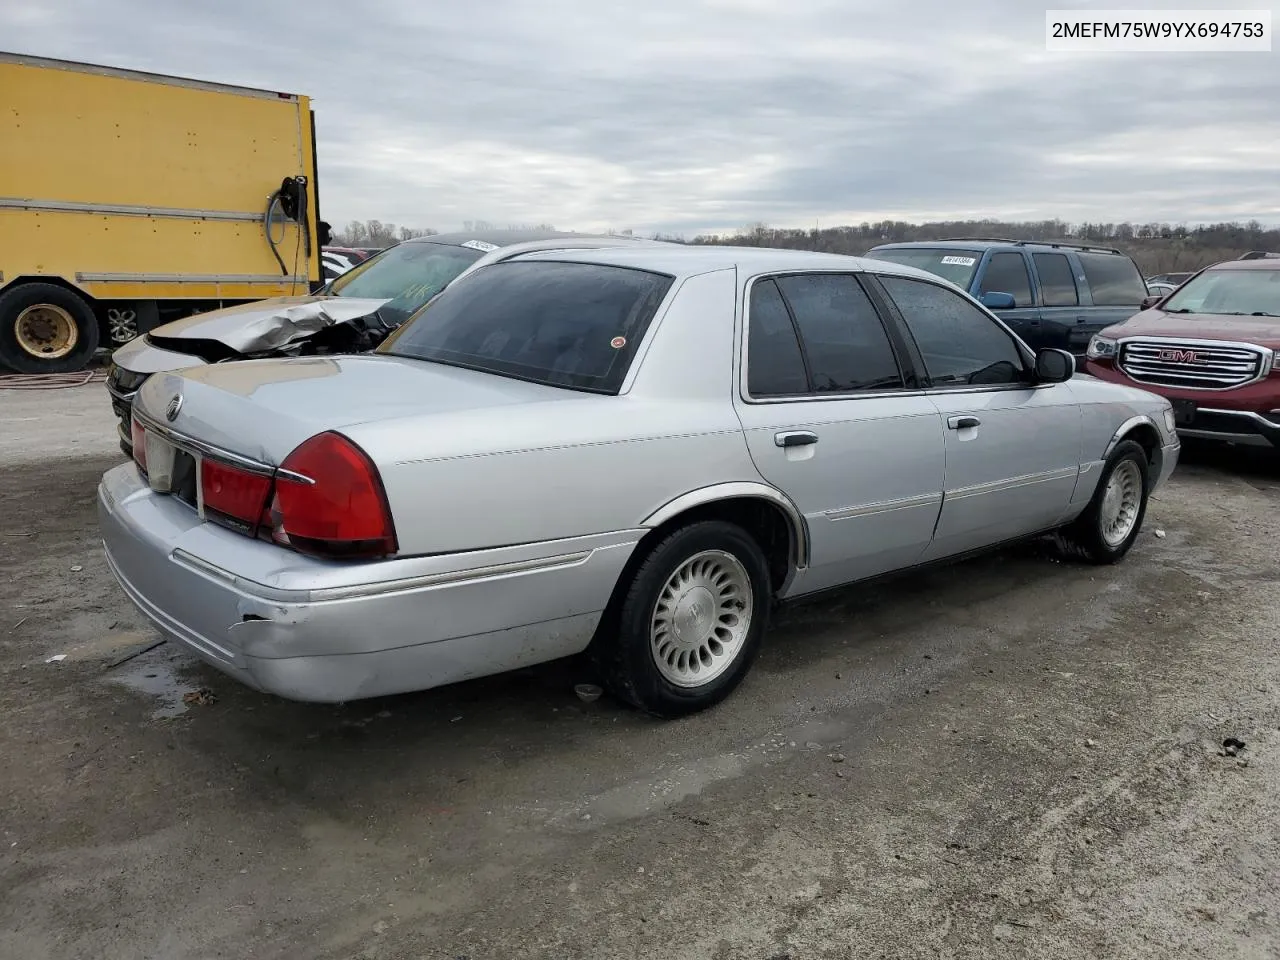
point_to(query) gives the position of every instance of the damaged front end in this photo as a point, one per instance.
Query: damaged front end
(282, 327)
(286, 326)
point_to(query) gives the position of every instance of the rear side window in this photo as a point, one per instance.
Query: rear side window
(1007, 273)
(844, 342)
(1057, 285)
(1114, 281)
(775, 367)
(573, 325)
(958, 342)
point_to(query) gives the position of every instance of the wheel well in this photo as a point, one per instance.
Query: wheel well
(1146, 437)
(65, 284)
(765, 521)
(53, 281)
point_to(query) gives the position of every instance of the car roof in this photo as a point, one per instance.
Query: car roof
(987, 243)
(499, 238)
(681, 260)
(1269, 263)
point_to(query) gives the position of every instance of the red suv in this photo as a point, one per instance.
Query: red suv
(1210, 347)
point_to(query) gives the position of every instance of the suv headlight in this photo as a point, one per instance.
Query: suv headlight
(1101, 347)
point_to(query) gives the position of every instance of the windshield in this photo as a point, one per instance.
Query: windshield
(1247, 293)
(409, 274)
(954, 265)
(573, 325)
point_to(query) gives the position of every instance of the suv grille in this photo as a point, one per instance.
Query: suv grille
(1194, 365)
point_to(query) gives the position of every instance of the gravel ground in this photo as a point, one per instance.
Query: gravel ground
(1010, 757)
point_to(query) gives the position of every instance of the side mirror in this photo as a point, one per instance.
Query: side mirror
(995, 300)
(1054, 365)
(1149, 302)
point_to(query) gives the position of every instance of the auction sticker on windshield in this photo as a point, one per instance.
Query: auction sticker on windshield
(961, 261)
(480, 245)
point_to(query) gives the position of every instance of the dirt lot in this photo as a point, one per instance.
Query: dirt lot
(1012, 757)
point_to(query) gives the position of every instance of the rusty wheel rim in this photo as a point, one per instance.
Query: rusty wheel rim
(46, 331)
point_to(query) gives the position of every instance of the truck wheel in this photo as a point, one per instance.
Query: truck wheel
(690, 621)
(45, 328)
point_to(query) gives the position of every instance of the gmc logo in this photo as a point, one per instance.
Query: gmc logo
(1179, 356)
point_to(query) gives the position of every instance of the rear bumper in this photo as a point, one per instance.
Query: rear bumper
(312, 630)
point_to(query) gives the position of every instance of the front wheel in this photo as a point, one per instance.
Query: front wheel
(1111, 523)
(690, 621)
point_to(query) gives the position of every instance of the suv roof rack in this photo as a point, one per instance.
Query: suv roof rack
(1034, 243)
(1259, 255)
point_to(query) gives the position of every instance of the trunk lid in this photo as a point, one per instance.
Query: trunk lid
(262, 409)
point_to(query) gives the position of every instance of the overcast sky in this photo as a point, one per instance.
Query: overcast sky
(693, 115)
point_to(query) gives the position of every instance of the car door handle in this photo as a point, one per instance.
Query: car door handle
(795, 438)
(960, 423)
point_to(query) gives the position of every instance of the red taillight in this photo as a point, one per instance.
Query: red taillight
(138, 438)
(233, 496)
(342, 512)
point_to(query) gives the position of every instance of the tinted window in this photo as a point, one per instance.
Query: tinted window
(954, 265)
(571, 325)
(844, 341)
(774, 365)
(959, 343)
(1007, 273)
(1113, 279)
(1057, 285)
(409, 275)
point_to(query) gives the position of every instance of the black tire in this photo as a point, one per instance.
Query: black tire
(15, 301)
(1083, 539)
(622, 651)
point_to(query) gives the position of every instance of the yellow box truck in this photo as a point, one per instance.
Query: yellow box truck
(131, 199)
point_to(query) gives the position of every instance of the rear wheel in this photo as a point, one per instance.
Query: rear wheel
(690, 621)
(45, 328)
(1111, 523)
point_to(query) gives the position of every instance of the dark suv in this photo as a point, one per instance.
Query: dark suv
(1050, 294)
(1211, 348)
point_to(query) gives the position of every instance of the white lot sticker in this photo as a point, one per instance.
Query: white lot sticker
(961, 261)
(486, 247)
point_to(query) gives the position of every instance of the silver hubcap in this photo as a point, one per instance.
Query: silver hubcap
(701, 619)
(1120, 502)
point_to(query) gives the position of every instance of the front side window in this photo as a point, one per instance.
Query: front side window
(1057, 285)
(1007, 273)
(408, 274)
(1113, 280)
(844, 341)
(574, 325)
(958, 342)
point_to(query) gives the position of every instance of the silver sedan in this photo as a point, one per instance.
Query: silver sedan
(628, 452)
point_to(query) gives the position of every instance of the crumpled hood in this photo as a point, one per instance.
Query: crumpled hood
(268, 324)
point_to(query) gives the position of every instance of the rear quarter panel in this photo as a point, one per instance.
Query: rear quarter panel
(582, 465)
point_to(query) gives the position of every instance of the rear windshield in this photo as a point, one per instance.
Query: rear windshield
(573, 325)
(409, 274)
(954, 265)
(1240, 293)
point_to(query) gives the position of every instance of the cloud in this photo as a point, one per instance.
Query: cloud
(694, 115)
